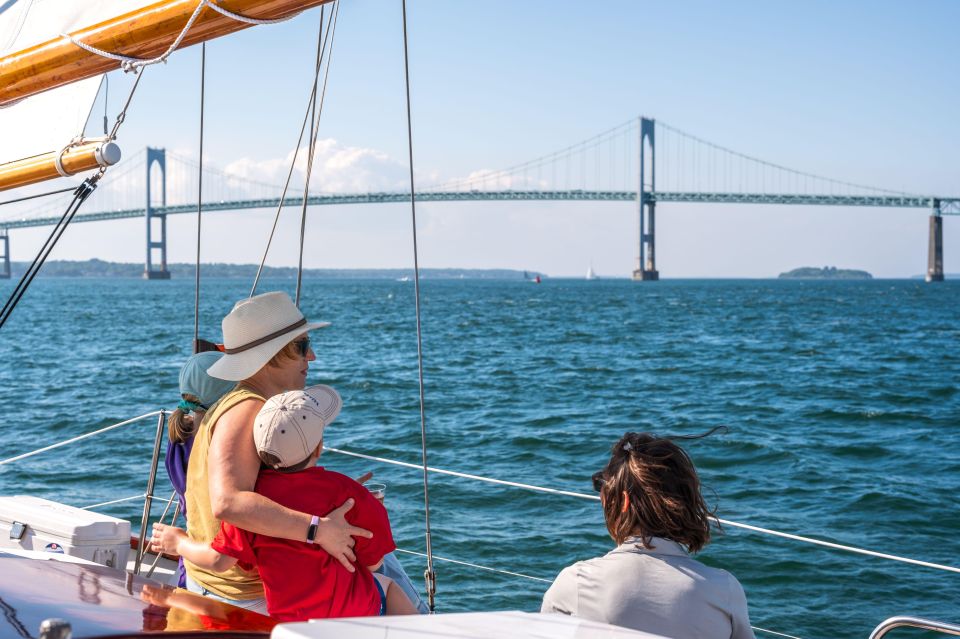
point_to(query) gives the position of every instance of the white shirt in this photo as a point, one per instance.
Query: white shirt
(662, 591)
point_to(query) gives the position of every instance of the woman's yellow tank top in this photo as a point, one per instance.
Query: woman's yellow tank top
(235, 583)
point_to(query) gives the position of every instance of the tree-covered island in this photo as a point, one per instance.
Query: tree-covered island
(825, 273)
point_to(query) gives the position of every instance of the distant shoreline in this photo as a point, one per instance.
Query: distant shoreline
(67, 269)
(101, 268)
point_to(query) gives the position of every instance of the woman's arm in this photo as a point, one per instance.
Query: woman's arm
(175, 541)
(232, 469)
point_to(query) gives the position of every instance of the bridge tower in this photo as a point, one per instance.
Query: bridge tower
(646, 270)
(935, 247)
(5, 239)
(149, 272)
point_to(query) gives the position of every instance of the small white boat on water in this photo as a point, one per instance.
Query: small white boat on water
(591, 275)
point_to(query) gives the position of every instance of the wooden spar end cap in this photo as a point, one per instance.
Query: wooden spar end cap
(39, 168)
(108, 154)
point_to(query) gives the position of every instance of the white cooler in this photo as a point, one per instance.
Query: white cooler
(30, 523)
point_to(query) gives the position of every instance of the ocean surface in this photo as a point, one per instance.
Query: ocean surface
(841, 400)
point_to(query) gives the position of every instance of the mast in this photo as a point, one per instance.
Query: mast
(144, 33)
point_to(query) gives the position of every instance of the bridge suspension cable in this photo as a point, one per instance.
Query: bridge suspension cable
(603, 167)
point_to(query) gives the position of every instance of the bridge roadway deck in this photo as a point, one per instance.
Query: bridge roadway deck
(948, 206)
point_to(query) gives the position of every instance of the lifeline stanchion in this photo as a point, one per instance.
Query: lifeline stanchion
(148, 502)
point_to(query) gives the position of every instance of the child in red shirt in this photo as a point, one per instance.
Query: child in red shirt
(300, 580)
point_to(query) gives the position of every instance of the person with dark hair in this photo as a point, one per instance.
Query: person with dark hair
(654, 511)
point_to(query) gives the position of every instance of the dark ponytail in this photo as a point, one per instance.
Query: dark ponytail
(181, 424)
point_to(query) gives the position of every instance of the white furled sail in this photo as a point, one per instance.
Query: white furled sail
(49, 121)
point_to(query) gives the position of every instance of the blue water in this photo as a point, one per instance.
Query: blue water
(841, 400)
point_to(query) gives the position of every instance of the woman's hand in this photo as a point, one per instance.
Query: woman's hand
(336, 535)
(166, 539)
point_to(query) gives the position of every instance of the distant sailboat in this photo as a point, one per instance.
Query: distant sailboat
(590, 274)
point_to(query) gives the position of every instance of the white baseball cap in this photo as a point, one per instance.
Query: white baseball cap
(290, 425)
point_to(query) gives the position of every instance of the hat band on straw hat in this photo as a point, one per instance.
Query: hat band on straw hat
(263, 340)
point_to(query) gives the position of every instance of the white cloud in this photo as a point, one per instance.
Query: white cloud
(337, 168)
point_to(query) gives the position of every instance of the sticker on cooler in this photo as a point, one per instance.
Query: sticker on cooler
(54, 547)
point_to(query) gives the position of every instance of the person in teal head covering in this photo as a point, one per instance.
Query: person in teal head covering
(198, 393)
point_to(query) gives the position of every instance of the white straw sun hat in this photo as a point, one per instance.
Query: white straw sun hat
(290, 425)
(255, 330)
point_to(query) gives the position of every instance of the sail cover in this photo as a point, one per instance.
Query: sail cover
(49, 121)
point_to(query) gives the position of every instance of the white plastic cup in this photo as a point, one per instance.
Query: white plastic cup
(377, 489)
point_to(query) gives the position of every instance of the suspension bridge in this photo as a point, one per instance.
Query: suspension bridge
(622, 164)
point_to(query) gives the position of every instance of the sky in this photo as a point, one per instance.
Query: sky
(867, 92)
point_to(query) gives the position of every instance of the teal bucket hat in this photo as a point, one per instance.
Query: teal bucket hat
(195, 381)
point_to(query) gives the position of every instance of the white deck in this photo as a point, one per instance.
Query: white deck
(468, 625)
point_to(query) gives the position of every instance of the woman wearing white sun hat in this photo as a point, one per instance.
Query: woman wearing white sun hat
(266, 350)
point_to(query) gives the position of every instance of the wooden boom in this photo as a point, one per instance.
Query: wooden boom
(144, 33)
(44, 167)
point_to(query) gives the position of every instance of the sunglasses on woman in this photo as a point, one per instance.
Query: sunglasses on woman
(303, 346)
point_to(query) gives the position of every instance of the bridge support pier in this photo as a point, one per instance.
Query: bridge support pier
(5, 238)
(149, 272)
(935, 247)
(646, 270)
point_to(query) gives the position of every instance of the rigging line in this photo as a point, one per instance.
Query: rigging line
(774, 632)
(453, 473)
(327, 45)
(82, 193)
(126, 105)
(32, 197)
(315, 112)
(196, 291)
(114, 501)
(106, 101)
(72, 440)
(429, 574)
(293, 163)
(173, 522)
(487, 568)
(725, 522)
(125, 499)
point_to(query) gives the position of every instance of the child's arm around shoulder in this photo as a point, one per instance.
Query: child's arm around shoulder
(175, 541)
